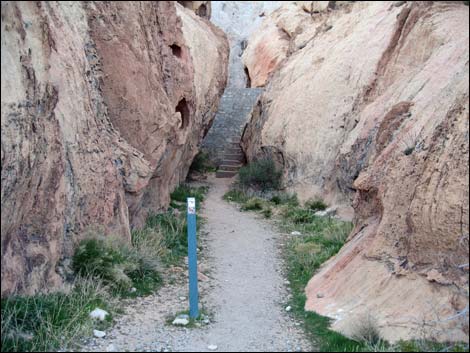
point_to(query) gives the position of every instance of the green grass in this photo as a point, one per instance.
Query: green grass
(253, 204)
(47, 322)
(182, 192)
(316, 205)
(285, 199)
(267, 212)
(172, 226)
(261, 174)
(324, 238)
(203, 314)
(236, 195)
(118, 265)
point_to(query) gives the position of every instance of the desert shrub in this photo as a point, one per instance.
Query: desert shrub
(366, 330)
(267, 212)
(48, 322)
(316, 205)
(260, 174)
(276, 200)
(283, 198)
(173, 229)
(202, 163)
(182, 192)
(118, 265)
(299, 215)
(236, 195)
(253, 204)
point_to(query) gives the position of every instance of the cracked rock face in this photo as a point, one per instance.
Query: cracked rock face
(366, 106)
(103, 108)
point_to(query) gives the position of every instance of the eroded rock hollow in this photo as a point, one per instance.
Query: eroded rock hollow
(104, 105)
(366, 106)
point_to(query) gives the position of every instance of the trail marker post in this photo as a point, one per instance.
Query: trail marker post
(192, 259)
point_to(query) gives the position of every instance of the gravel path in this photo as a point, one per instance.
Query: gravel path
(244, 293)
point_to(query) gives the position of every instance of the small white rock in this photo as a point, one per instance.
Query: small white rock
(180, 322)
(182, 298)
(99, 314)
(329, 212)
(295, 233)
(99, 334)
(133, 290)
(212, 347)
(289, 308)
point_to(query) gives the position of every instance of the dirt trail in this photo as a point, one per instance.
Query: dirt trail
(245, 293)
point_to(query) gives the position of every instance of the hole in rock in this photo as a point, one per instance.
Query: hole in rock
(176, 50)
(248, 80)
(183, 109)
(202, 10)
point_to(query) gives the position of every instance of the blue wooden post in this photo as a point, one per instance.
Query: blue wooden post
(192, 259)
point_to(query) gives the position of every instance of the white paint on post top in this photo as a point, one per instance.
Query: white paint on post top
(191, 205)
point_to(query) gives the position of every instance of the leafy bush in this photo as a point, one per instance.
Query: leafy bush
(316, 205)
(48, 322)
(261, 174)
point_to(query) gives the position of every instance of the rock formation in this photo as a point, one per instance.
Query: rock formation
(366, 104)
(201, 8)
(103, 107)
(238, 19)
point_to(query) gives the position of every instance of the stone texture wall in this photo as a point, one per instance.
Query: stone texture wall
(369, 109)
(103, 107)
(232, 115)
(238, 19)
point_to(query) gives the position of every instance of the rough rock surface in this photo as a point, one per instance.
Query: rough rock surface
(103, 108)
(201, 8)
(369, 108)
(238, 19)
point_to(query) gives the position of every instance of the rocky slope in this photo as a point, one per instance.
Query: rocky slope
(366, 105)
(103, 108)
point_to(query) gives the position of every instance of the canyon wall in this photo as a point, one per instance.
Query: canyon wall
(104, 105)
(366, 105)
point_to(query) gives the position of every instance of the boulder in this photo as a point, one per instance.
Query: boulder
(369, 112)
(103, 109)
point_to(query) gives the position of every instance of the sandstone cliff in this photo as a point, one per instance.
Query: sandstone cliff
(103, 108)
(366, 104)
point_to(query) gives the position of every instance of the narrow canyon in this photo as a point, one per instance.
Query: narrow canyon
(106, 106)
